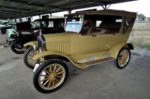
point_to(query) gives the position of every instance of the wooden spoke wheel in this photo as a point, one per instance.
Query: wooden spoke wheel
(50, 76)
(123, 58)
(28, 57)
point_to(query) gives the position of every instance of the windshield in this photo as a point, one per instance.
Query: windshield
(73, 24)
(38, 24)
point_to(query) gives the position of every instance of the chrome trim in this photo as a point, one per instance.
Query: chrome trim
(35, 67)
(40, 50)
(34, 47)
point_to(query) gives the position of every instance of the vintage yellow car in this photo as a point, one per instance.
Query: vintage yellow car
(90, 37)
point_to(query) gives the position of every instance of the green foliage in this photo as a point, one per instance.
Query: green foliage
(142, 16)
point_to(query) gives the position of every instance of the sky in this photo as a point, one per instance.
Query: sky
(139, 6)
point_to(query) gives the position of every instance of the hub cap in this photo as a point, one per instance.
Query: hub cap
(123, 58)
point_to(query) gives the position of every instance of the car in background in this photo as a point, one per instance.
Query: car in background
(28, 32)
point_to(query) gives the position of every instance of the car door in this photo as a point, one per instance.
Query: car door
(83, 44)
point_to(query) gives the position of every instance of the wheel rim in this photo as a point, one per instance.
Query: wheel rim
(30, 56)
(51, 76)
(123, 58)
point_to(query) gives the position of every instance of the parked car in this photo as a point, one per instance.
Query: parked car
(6, 24)
(19, 39)
(4, 28)
(9, 32)
(91, 37)
(28, 31)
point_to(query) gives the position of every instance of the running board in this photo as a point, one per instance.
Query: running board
(97, 61)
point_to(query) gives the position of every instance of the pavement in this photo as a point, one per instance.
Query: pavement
(102, 81)
(2, 39)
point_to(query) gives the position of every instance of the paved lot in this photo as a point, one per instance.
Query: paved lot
(103, 81)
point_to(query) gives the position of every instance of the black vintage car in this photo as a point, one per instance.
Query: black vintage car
(28, 31)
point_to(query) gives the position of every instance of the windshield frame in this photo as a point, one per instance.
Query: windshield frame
(81, 18)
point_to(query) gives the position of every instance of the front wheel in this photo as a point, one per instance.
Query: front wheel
(28, 57)
(50, 76)
(123, 58)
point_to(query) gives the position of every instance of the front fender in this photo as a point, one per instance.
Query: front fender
(30, 43)
(46, 53)
(50, 53)
(115, 50)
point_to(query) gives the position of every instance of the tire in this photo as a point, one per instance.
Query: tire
(126, 58)
(16, 50)
(50, 79)
(25, 57)
(3, 31)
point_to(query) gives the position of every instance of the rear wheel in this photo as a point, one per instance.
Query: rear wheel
(28, 57)
(123, 58)
(17, 48)
(50, 76)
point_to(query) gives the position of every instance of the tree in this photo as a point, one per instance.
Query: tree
(141, 16)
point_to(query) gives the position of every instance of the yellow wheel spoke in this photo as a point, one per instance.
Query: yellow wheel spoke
(45, 82)
(35, 52)
(59, 73)
(120, 62)
(54, 68)
(44, 79)
(50, 68)
(49, 84)
(53, 83)
(44, 75)
(124, 60)
(123, 54)
(58, 69)
(57, 80)
(46, 71)
(59, 76)
(32, 54)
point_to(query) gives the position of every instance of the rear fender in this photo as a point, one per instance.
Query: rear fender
(115, 50)
(130, 46)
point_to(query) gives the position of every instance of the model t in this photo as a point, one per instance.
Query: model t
(91, 37)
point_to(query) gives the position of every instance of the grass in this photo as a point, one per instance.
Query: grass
(147, 46)
(141, 37)
(141, 27)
